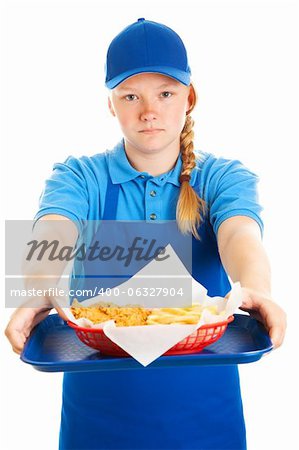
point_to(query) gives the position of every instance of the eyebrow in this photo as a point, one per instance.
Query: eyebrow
(132, 88)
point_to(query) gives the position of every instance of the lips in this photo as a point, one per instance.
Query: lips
(150, 131)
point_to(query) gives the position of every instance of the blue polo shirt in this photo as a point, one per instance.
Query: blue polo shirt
(77, 188)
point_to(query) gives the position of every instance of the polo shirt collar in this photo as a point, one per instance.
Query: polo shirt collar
(119, 166)
(122, 171)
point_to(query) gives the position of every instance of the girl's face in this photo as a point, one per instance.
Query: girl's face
(151, 110)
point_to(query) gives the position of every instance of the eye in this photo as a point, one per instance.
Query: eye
(166, 96)
(129, 97)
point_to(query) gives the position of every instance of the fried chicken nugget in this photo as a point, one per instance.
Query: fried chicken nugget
(126, 316)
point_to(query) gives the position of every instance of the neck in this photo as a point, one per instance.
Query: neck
(154, 162)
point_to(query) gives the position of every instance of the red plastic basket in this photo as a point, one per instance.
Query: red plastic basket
(194, 343)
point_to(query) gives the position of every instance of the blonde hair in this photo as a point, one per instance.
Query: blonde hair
(190, 207)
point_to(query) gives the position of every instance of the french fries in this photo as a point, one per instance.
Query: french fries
(188, 315)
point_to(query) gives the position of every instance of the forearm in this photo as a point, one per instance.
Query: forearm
(245, 260)
(40, 271)
(39, 299)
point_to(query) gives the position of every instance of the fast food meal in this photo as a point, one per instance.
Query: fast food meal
(133, 315)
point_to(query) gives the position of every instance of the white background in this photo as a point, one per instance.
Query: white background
(244, 59)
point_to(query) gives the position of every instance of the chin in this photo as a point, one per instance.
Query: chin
(150, 144)
(156, 143)
(151, 147)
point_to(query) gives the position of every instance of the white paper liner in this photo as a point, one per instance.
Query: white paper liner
(147, 343)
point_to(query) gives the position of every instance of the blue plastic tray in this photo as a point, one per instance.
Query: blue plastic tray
(54, 347)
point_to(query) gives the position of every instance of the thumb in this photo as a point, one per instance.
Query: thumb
(61, 313)
(59, 309)
(227, 295)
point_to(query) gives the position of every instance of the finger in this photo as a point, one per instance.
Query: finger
(16, 340)
(275, 331)
(255, 314)
(18, 351)
(277, 334)
(276, 325)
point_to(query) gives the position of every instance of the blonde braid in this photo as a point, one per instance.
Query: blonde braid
(190, 207)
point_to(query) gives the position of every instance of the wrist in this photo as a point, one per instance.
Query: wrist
(257, 284)
(37, 305)
(257, 290)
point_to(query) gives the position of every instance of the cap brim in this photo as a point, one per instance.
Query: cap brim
(179, 75)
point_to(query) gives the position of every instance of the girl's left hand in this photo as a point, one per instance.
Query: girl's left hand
(265, 310)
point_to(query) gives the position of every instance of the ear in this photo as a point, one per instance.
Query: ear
(110, 106)
(191, 99)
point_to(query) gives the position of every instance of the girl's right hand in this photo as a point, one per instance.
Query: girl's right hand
(22, 322)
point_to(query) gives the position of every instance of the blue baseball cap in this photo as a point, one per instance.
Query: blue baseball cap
(146, 46)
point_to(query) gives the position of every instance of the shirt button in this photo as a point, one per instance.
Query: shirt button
(153, 216)
(153, 193)
(142, 176)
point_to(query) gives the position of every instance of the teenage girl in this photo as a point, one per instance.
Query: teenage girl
(155, 174)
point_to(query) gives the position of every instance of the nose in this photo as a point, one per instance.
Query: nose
(149, 111)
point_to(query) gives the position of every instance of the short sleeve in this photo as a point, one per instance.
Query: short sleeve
(232, 192)
(65, 193)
